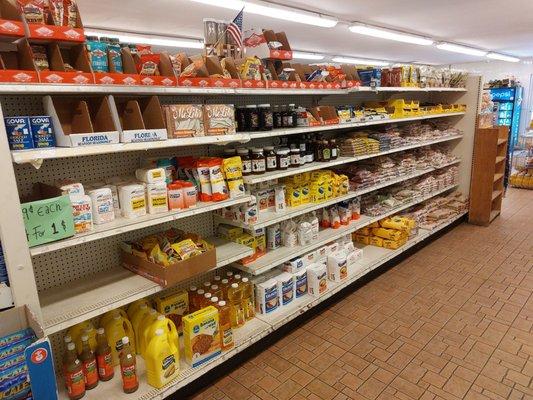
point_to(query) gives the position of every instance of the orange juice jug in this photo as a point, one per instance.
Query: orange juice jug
(248, 301)
(115, 330)
(132, 308)
(161, 359)
(78, 330)
(136, 320)
(235, 304)
(108, 316)
(226, 334)
(148, 320)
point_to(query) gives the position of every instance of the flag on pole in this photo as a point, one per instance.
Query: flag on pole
(235, 29)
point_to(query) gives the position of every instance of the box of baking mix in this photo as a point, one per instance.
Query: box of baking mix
(201, 336)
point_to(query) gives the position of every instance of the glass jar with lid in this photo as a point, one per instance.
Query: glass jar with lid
(283, 158)
(251, 118)
(277, 119)
(295, 157)
(244, 153)
(271, 158)
(265, 117)
(334, 149)
(258, 161)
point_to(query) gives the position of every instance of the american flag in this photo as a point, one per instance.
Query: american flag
(235, 29)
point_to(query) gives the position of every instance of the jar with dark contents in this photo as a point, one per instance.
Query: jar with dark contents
(271, 158)
(326, 151)
(293, 116)
(286, 118)
(334, 149)
(302, 147)
(277, 119)
(265, 117)
(295, 157)
(229, 152)
(246, 161)
(258, 161)
(240, 119)
(283, 158)
(251, 118)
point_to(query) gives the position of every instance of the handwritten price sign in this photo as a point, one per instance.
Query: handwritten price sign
(48, 220)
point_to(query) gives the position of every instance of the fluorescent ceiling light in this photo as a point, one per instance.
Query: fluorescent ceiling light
(389, 34)
(151, 40)
(359, 61)
(461, 49)
(502, 57)
(267, 10)
(307, 56)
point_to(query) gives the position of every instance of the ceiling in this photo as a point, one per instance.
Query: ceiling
(494, 25)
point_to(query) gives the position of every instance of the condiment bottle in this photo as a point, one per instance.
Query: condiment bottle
(293, 116)
(104, 360)
(246, 161)
(88, 361)
(128, 368)
(193, 306)
(334, 149)
(67, 339)
(277, 118)
(224, 284)
(295, 157)
(302, 152)
(226, 333)
(229, 276)
(271, 161)
(265, 117)
(283, 158)
(74, 373)
(240, 119)
(200, 299)
(326, 151)
(258, 161)
(216, 291)
(252, 118)
(207, 300)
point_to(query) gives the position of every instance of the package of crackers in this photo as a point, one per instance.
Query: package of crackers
(184, 120)
(219, 119)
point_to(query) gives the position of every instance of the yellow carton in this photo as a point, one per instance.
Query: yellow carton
(317, 193)
(305, 194)
(247, 240)
(201, 336)
(293, 196)
(229, 232)
(174, 306)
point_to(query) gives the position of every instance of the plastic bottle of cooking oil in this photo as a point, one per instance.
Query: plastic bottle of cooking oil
(248, 301)
(235, 303)
(132, 308)
(166, 325)
(162, 359)
(136, 321)
(226, 334)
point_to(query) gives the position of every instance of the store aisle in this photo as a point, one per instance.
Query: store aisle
(453, 321)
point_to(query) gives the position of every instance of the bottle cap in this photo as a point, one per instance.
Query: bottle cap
(237, 277)
(225, 281)
(160, 317)
(207, 284)
(100, 331)
(207, 295)
(116, 317)
(159, 332)
(245, 280)
(221, 303)
(214, 299)
(71, 346)
(200, 291)
(217, 278)
(234, 285)
(125, 340)
(214, 287)
(67, 339)
(229, 273)
(193, 288)
(84, 338)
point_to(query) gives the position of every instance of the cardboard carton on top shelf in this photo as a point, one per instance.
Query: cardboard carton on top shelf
(11, 25)
(16, 64)
(249, 83)
(352, 77)
(256, 44)
(166, 76)
(82, 122)
(276, 68)
(76, 56)
(128, 77)
(210, 73)
(38, 355)
(49, 32)
(139, 119)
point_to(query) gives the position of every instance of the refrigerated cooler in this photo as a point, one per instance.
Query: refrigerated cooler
(509, 102)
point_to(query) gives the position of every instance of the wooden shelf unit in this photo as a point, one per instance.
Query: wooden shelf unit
(488, 170)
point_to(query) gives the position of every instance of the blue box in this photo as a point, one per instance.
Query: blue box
(42, 131)
(19, 133)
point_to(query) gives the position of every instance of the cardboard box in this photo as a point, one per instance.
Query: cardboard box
(139, 120)
(201, 336)
(76, 56)
(128, 77)
(173, 274)
(166, 76)
(82, 122)
(11, 23)
(38, 355)
(18, 61)
(256, 43)
(210, 74)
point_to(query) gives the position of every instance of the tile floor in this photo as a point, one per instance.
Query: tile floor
(453, 321)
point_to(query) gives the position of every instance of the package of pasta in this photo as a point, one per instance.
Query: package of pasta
(148, 64)
(365, 231)
(202, 176)
(219, 190)
(385, 233)
(232, 168)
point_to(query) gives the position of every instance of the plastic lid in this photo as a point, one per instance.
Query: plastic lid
(217, 278)
(229, 273)
(245, 280)
(200, 291)
(251, 106)
(206, 284)
(116, 317)
(84, 338)
(71, 346)
(269, 148)
(214, 299)
(207, 295)
(242, 151)
(237, 276)
(159, 332)
(193, 288)
(214, 287)
(234, 285)
(257, 150)
(67, 339)
(160, 317)
(100, 331)
(224, 281)
(125, 340)
(264, 105)
(221, 303)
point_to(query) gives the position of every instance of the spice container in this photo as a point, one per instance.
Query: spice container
(246, 161)
(265, 117)
(283, 158)
(271, 158)
(258, 161)
(295, 157)
(251, 118)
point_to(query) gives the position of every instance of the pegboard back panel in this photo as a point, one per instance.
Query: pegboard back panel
(61, 267)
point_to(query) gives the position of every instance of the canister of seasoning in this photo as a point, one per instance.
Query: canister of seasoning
(334, 149)
(252, 118)
(258, 161)
(246, 160)
(283, 158)
(265, 117)
(295, 157)
(271, 159)
(277, 118)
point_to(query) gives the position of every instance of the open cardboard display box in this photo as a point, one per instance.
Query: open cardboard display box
(256, 44)
(275, 69)
(128, 77)
(11, 24)
(352, 77)
(16, 63)
(210, 73)
(82, 122)
(48, 32)
(174, 273)
(166, 76)
(139, 119)
(325, 115)
(246, 83)
(76, 56)
(302, 70)
(38, 355)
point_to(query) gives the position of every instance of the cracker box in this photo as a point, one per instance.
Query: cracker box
(219, 119)
(201, 336)
(184, 120)
(174, 306)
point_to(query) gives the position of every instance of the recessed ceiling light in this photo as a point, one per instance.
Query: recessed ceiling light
(502, 57)
(165, 41)
(359, 61)
(267, 10)
(389, 34)
(307, 56)
(461, 49)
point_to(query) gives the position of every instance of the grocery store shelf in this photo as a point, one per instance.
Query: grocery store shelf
(499, 159)
(497, 177)
(96, 294)
(405, 89)
(121, 225)
(495, 194)
(27, 156)
(266, 218)
(349, 125)
(277, 257)
(502, 141)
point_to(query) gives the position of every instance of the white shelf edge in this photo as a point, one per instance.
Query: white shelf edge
(272, 259)
(121, 225)
(404, 89)
(115, 282)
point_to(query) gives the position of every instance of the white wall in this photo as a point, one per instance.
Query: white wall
(500, 69)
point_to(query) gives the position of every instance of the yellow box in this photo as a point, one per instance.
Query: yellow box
(229, 232)
(361, 238)
(174, 306)
(329, 189)
(293, 196)
(344, 185)
(247, 240)
(201, 336)
(376, 241)
(317, 193)
(305, 194)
